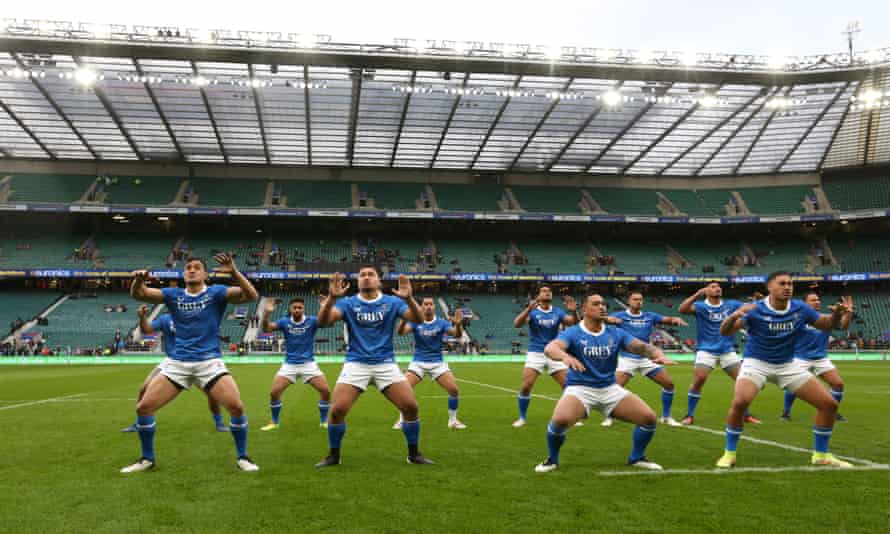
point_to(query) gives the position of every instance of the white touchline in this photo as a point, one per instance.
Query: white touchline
(867, 463)
(42, 401)
(468, 396)
(742, 470)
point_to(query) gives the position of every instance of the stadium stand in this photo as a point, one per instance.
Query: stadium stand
(547, 199)
(304, 194)
(472, 256)
(626, 201)
(550, 257)
(49, 187)
(400, 196)
(88, 321)
(492, 322)
(476, 197)
(125, 252)
(153, 191)
(22, 305)
(858, 193)
(47, 251)
(776, 200)
(229, 191)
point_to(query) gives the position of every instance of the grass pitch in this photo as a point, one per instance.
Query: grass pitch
(62, 449)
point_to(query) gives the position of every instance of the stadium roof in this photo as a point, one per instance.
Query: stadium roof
(171, 97)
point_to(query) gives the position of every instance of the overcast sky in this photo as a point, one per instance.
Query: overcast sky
(777, 27)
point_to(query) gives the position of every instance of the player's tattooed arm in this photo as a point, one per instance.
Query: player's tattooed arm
(733, 323)
(556, 350)
(648, 350)
(457, 330)
(404, 328)
(571, 317)
(245, 292)
(688, 306)
(328, 314)
(144, 323)
(522, 318)
(839, 318)
(269, 326)
(140, 291)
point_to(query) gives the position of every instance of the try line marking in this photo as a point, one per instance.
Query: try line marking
(42, 401)
(742, 470)
(865, 463)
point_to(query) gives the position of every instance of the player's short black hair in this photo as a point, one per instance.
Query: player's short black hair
(423, 298)
(772, 276)
(195, 258)
(542, 286)
(709, 282)
(811, 292)
(635, 292)
(587, 298)
(296, 299)
(364, 266)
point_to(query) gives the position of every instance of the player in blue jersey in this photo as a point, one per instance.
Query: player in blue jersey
(370, 318)
(773, 324)
(712, 349)
(811, 353)
(428, 357)
(591, 351)
(299, 362)
(197, 311)
(640, 324)
(544, 321)
(164, 324)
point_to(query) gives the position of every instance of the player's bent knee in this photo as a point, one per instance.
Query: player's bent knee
(648, 419)
(235, 409)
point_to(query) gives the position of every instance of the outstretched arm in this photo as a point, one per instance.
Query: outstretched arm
(571, 317)
(556, 350)
(328, 314)
(674, 321)
(245, 292)
(269, 326)
(841, 313)
(144, 323)
(406, 293)
(457, 330)
(733, 323)
(404, 328)
(139, 291)
(522, 318)
(687, 307)
(648, 350)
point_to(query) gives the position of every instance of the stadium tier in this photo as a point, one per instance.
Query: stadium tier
(148, 191)
(24, 305)
(626, 201)
(48, 187)
(548, 199)
(854, 193)
(478, 197)
(301, 194)
(90, 320)
(229, 192)
(775, 200)
(391, 196)
(492, 322)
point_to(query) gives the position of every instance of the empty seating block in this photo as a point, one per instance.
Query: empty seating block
(22, 305)
(49, 187)
(626, 201)
(229, 192)
(858, 193)
(548, 199)
(775, 200)
(304, 194)
(468, 197)
(82, 322)
(392, 196)
(153, 191)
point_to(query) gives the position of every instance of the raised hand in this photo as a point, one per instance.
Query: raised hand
(745, 308)
(458, 317)
(142, 311)
(226, 263)
(322, 298)
(405, 290)
(574, 363)
(338, 285)
(680, 322)
(271, 304)
(843, 307)
(143, 275)
(570, 303)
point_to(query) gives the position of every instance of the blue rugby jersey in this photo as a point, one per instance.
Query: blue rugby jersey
(708, 319)
(772, 333)
(811, 344)
(196, 319)
(299, 338)
(428, 340)
(598, 351)
(371, 324)
(543, 327)
(639, 326)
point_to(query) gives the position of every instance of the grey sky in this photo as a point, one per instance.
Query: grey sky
(757, 26)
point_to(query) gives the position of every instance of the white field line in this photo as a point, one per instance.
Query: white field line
(42, 401)
(742, 470)
(462, 396)
(704, 429)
